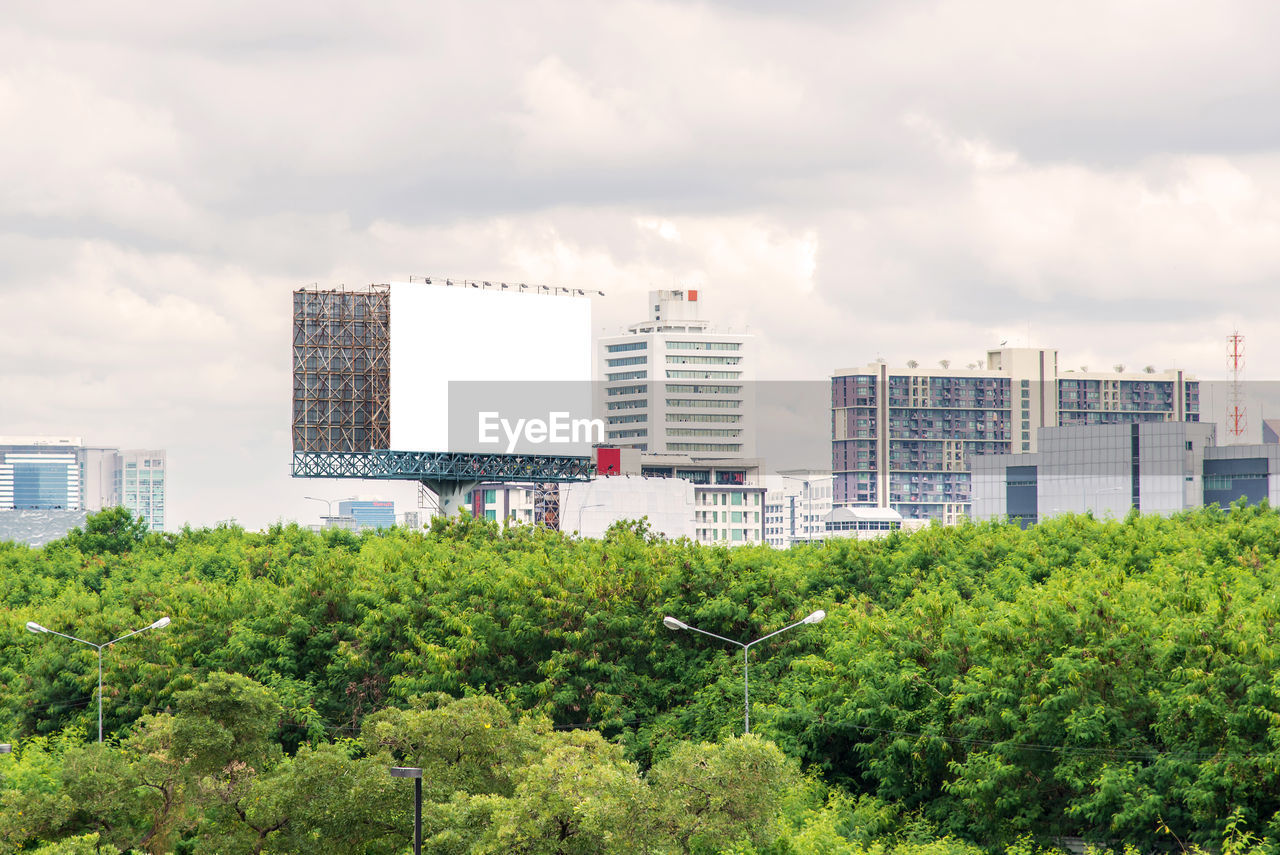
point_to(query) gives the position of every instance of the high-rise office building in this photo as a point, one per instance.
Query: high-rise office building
(674, 384)
(903, 438)
(40, 473)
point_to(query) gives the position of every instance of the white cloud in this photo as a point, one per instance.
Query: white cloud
(1104, 173)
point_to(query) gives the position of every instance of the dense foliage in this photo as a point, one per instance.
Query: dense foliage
(976, 687)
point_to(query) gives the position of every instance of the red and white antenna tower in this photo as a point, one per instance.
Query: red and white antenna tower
(1236, 412)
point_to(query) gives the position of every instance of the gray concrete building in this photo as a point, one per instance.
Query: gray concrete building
(1109, 470)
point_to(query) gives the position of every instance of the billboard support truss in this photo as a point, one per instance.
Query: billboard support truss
(440, 466)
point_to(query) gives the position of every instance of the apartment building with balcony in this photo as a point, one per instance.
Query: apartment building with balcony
(904, 438)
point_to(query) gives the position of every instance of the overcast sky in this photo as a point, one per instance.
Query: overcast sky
(850, 180)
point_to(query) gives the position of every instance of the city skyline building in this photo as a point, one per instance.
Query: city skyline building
(141, 476)
(665, 504)
(904, 438)
(40, 473)
(712, 500)
(369, 513)
(728, 494)
(675, 384)
(48, 484)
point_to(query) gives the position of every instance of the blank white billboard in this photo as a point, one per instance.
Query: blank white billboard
(490, 371)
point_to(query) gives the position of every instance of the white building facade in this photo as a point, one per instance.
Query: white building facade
(666, 504)
(797, 506)
(142, 475)
(674, 384)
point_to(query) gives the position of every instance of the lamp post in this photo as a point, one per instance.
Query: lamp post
(415, 773)
(1097, 495)
(677, 625)
(580, 510)
(328, 503)
(32, 626)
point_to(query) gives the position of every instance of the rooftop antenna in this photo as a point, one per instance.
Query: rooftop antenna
(1237, 420)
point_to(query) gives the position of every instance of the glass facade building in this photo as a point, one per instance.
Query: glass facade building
(39, 475)
(1112, 469)
(141, 478)
(369, 513)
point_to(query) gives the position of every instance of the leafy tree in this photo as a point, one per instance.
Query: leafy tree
(710, 795)
(113, 531)
(579, 797)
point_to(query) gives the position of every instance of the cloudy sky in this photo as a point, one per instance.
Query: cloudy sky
(850, 180)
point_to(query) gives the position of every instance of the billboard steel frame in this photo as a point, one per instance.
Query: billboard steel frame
(441, 466)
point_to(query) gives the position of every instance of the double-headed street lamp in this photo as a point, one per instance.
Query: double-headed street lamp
(32, 626)
(677, 625)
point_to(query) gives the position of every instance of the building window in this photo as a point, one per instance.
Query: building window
(704, 345)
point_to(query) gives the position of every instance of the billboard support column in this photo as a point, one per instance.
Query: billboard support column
(450, 495)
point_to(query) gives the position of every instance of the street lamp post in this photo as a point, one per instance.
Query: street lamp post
(583, 508)
(32, 626)
(677, 625)
(328, 503)
(415, 773)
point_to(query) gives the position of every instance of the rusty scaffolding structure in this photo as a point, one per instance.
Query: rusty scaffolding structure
(342, 370)
(546, 505)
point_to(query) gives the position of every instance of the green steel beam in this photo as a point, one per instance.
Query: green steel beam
(440, 466)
